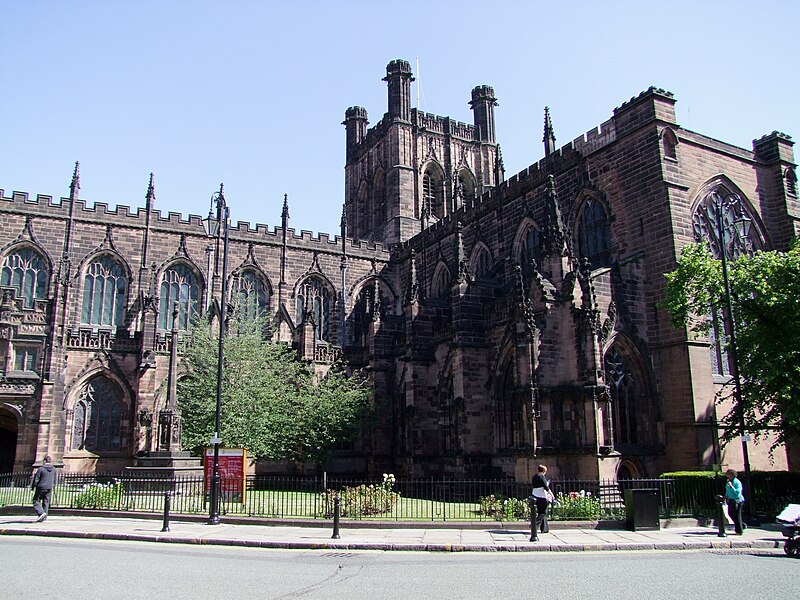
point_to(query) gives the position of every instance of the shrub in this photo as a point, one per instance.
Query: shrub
(362, 500)
(503, 508)
(577, 505)
(99, 495)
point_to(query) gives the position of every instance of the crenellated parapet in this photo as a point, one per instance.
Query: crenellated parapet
(443, 125)
(122, 216)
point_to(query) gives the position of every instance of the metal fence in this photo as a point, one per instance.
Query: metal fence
(412, 499)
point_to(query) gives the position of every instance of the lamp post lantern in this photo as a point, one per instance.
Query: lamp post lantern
(723, 204)
(218, 228)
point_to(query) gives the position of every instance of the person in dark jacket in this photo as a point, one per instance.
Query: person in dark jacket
(543, 496)
(42, 485)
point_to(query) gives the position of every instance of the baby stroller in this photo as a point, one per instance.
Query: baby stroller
(790, 525)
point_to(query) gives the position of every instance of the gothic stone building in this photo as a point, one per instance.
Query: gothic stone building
(503, 322)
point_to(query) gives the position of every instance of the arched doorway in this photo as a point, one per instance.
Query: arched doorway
(9, 429)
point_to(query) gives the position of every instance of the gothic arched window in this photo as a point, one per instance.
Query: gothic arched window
(251, 295)
(504, 408)
(449, 418)
(27, 272)
(594, 234)
(704, 224)
(365, 308)
(482, 263)
(314, 302)
(441, 283)
(105, 290)
(530, 249)
(97, 417)
(465, 188)
(178, 284)
(433, 192)
(625, 395)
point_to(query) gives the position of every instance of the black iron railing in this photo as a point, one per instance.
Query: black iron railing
(386, 499)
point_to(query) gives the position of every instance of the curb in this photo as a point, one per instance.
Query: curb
(452, 548)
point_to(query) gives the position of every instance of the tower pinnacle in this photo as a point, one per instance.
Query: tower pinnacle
(549, 138)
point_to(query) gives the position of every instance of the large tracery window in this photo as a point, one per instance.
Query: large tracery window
(252, 297)
(105, 289)
(594, 234)
(314, 303)
(730, 241)
(97, 417)
(179, 284)
(26, 271)
(704, 225)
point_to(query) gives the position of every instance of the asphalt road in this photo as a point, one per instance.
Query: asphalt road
(86, 569)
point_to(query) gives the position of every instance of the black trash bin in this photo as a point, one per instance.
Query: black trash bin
(641, 509)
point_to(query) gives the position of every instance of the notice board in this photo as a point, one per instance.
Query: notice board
(232, 472)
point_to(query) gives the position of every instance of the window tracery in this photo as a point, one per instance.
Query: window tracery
(27, 272)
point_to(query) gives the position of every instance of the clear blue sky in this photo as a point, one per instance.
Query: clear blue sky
(253, 94)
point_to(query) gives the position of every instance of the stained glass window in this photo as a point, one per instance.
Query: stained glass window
(625, 392)
(26, 271)
(97, 417)
(704, 224)
(252, 298)
(530, 249)
(314, 300)
(594, 236)
(105, 288)
(179, 283)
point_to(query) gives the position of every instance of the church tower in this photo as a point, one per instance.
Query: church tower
(413, 169)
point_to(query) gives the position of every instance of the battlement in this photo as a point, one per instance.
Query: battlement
(774, 147)
(173, 221)
(442, 125)
(651, 91)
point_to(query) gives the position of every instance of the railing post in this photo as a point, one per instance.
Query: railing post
(337, 509)
(167, 502)
(534, 519)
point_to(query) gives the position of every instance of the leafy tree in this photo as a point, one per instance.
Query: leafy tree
(272, 404)
(765, 295)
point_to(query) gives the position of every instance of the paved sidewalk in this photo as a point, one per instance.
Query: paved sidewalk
(352, 537)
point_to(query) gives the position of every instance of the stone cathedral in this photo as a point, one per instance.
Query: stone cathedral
(504, 321)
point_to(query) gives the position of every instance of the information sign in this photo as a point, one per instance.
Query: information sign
(232, 472)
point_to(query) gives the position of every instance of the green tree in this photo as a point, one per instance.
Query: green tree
(765, 295)
(272, 404)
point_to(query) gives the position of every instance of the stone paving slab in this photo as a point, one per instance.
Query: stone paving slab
(419, 539)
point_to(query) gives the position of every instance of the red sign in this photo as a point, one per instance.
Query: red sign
(232, 471)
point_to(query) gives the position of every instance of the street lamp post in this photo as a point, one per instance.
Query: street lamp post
(742, 225)
(212, 227)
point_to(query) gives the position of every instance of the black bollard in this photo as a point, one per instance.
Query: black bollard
(721, 517)
(337, 509)
(534, 518)
(167, 502)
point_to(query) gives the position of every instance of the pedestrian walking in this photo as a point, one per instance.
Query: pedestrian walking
(42, 485)
(544, 497)
(735, 500)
